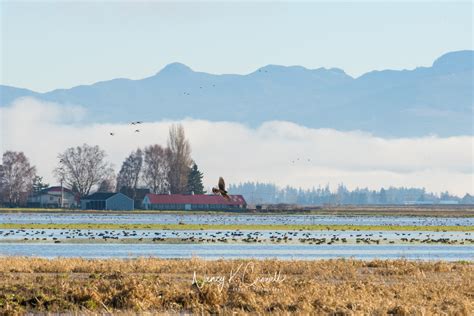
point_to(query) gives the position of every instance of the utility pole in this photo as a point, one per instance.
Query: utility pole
(62, 179)
(62, 194)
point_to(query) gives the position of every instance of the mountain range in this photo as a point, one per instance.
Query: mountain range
(391, 103)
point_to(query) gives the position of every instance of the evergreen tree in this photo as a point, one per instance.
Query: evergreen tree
(38, 184)
(195, 181)
(383, 196)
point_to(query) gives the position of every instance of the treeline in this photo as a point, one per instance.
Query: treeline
(170, 169)
(85, 169)
(265, 193)
(161, 169)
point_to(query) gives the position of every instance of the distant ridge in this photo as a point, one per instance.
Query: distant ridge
(426, 100)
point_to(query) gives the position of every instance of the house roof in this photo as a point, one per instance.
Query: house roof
(194, 199)
(55, 189)
(100, 196)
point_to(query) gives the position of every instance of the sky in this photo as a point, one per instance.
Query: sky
(47, 45)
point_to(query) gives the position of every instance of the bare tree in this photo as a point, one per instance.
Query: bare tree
(129, 175)
(108, 184)
(17, 177)
(179, 159)
(82, 168)
(156, 168)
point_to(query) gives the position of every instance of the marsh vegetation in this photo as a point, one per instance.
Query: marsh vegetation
(155, 285)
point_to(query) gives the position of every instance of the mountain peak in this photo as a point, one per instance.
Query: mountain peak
(174, 68)
(455, 61)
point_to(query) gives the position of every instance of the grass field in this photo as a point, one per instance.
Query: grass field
(231, 227)
(335, 287)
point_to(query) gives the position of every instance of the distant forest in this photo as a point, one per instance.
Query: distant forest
(266, 193)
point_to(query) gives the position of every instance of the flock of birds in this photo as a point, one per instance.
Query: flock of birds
(231, 219)
(132, 123)
(300, 160)
(306, 237)
(112, 133)
(220, 190)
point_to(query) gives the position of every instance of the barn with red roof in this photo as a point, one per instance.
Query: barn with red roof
(200, 202)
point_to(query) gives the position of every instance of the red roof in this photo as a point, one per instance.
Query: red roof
(194, 199)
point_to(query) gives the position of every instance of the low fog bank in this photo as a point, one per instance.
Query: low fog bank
(277, 152)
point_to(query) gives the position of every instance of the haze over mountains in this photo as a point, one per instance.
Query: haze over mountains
(427, 100)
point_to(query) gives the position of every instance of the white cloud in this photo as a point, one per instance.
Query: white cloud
(239, 153)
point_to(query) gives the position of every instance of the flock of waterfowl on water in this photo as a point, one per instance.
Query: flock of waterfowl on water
(237, 236)
(233, 219)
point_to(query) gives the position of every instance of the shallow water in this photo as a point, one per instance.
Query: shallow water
(350, 235)
(229, 251)
(238, 219)
(214, 244)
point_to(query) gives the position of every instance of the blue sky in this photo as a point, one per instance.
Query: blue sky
(48, 45)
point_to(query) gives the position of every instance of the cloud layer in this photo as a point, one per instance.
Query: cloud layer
(283, 153)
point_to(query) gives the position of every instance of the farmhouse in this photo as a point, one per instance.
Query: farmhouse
(199, 202)
(51, 197)
(107, 201)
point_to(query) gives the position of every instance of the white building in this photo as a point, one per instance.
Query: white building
(51, 197)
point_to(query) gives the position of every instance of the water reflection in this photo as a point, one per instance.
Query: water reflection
(228, 251)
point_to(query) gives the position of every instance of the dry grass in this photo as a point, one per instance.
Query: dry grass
(342, 287)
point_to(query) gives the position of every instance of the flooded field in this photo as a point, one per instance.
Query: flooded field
(232, 219)
(429, 242)
(236, 251)
(242, 236)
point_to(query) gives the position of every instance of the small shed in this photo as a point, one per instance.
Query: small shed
(114, 201)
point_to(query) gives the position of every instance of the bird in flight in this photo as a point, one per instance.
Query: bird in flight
(137, 130)
(112, 134)
(220, 190)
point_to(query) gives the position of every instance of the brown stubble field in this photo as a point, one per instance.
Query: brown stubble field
(342, 287)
